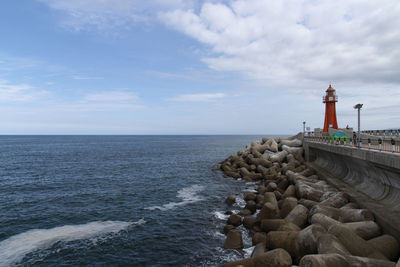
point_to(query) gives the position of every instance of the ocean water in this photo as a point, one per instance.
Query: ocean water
(116, 200)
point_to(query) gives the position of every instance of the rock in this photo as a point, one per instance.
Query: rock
(290, 192)
(360, 261)
(387, 245)
(232, 174)
(234, 240)
(298, 216)
(273, 146)
(289, 227)
(343, 215)
(234, 220)
(308, 239)
(353, 243)
(278, 156)
(328, 244)
(365, 229)
(307, 172)
(285, 240)
(324, 260)
(271, 187)
(249, 196)
(295, 177)
(293, 150)
(292, 143)
(309, 204)
(258, 250)
(278, 194)
(283, 184)
(246, 212)
(270, 197)
(225, 167)
(249, 221)
(245, 263)
(277, 258)
(300, 168)
(259, 237)
(260, 199)
(305, 191)
(251, 205)
(268, 225)
(268, 211)
(230, 200)
(323, 220)
(350, 205)
(288, 204)
(227, 228)
(337, 200)
(261, 189)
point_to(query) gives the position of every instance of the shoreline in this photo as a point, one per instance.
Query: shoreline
(294, 217)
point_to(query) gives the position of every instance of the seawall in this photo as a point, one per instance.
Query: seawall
(371, 178)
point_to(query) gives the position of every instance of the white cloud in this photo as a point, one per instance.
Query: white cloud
(344, 40)
(198, 97)
(110, 14)
(79, 77)
(18, 92)
(111, 97)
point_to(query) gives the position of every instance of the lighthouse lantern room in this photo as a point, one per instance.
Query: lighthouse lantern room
(330, 100)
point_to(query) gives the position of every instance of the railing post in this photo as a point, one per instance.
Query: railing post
(369, 143)
(393, 144)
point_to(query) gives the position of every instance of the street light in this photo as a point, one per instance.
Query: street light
(304, 128)
(358, 107)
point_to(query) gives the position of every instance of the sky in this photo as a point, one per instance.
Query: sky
(196, 67)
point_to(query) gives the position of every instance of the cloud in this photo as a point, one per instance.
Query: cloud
(105, 15)
(18, 92)
(198, 97)
(111, 97)
(279, 41)
(78, 77)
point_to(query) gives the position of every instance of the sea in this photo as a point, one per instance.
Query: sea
(117, 200)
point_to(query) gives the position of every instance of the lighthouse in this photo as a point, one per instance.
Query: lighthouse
(330, 100)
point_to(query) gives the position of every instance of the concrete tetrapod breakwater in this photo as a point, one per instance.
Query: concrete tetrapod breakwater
(370, 178)
(297, 218)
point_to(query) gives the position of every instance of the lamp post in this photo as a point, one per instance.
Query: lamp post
(358, 107)
(304, 128)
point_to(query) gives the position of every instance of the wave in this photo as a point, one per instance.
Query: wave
(221, 215)
(13, 249)
(187, 195)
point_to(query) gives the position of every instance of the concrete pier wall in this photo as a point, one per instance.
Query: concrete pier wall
(371, 178)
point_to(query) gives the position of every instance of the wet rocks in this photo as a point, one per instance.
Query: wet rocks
(230, 200)
(294, 217)
(234, 240)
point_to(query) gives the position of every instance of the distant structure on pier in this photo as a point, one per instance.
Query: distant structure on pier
(330, 100)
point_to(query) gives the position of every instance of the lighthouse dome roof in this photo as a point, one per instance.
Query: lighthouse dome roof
(330, 89)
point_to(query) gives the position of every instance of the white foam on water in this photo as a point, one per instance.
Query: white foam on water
(248, 251)
(221, 215)
(218, 235)
(240, 202)
(187, 195)
(13, 249)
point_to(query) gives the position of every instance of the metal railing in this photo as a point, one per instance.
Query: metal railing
(388, 144)
(388, 132)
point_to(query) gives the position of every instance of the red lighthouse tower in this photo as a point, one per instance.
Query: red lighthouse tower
(330, 110)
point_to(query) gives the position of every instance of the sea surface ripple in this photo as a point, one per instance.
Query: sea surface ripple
(115, 200)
